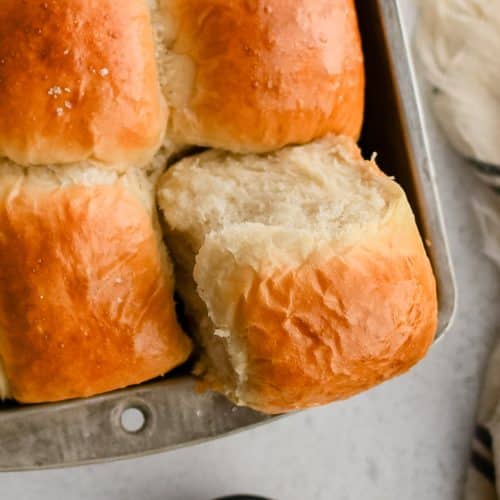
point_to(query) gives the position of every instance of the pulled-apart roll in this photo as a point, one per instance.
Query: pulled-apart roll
(253, 76)
(303, 273)
(86, 288)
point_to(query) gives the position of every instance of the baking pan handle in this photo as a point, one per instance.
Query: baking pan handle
(164, 415)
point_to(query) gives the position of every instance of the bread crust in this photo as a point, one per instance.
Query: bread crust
(310, 279)
(86, 295)
(341, 322)
(78, 81)
(264, 74)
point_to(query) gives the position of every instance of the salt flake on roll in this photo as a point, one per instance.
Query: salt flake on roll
(78, 81)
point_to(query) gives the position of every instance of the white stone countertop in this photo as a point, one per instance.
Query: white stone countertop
(408, 439)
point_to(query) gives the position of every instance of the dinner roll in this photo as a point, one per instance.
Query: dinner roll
(86, 288)
(303, 271)
(253, 76)
(78, 81)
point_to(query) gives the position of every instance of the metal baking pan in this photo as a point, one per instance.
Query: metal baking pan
(84, 431)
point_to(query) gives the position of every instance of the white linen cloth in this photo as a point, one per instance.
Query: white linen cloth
(458, 44)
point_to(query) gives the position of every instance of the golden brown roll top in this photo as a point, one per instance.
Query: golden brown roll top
(86, 289)
(255, 76)
(308, 278)
(78, 80)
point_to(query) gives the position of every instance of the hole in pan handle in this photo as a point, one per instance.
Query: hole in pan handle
(153, 417)
(133, 420)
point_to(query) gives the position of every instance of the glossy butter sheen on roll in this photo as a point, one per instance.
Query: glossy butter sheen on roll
(78, 81)
(256, 76)
(86, 287)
